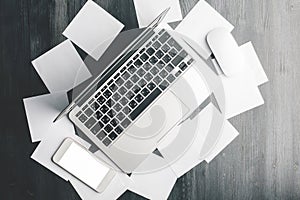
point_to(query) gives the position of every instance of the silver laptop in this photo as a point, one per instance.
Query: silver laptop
(135, 103)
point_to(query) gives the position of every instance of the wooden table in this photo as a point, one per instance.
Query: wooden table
(262, 163)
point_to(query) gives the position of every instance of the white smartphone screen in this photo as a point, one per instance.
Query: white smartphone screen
(83, 165)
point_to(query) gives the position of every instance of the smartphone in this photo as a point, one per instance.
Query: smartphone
(82, 164)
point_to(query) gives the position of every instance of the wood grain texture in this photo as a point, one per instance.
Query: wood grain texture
(262, 163)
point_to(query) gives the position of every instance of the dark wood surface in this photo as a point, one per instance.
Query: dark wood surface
(262, 163)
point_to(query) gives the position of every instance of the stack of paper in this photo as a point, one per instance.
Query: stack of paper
(93, 29)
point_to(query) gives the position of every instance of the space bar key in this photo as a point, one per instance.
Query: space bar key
(134, 114)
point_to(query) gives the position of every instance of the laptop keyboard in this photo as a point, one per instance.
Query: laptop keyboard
(134, 87)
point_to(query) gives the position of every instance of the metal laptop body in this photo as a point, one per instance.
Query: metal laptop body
(141, 101)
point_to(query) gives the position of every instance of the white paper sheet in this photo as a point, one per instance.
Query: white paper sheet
(93, 27)
(156, 184)
(241, 93)
(229, 133)
(114, 190)
(147, 11)
(253, 62)
(61, 68)
(197, 24)
(42, 110)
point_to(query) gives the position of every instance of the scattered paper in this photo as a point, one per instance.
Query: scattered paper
(42, 110)
(147, 11)
(93, 27)
(156, 184)
(241, 93)
(253, 62)
(61, 68)
(229, 133)
(198, 23)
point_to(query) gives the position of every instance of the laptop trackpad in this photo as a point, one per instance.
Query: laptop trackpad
(160, 118)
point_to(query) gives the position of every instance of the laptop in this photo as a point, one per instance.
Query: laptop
(133, 105)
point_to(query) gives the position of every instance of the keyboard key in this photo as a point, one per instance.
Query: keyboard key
(169, 67)
(106, 141)
(136, 56)
(104, 109)
(126, 110)
(136, 89)
(97, 128)
(89, 123)
(190, 61)
(138, 63)
(154, 70)
(104, 88)
(156, 45)
(183, 66)
(164, 85)
(117, 75)
(97, 95)
(98, 115)
(101, 135)
(84, 107)
(120, 116)
(78, 114)
(125, 75)
(183, 54)
(153, 60)
(151, 86)
(95, 106)
(141, 72)
(144, 57)
(139, 98)
(110, 103)
(178, 73)
(173, 43)
(107, 94)
(159, 54)
(82, 118)
(157, 80)
(129, 95)
(122, 90)
(150, 51)
(119, 81)
(148, 77)
(108, 128)
(163, 73)
(167, 58)
(147, 66)
(117, 107)
(119, 130)
(123, 69)
(135, 113)
(177, 60)
(113, 136)
(135, 78)
(124, 101)
(125, 123)
(110, 82)
(160, 64)
(105, 119)
(114, 122)
(145, 92)
(142, 50)
(113, 87)
(88, 112)
(165, 48)
(101, 100)
(142, 83)
(161, 32)
(131, 69)
(173, 52)
(170, 78)
(132, 104)
(128, 84)
(111, 113)
(116, 96)
(164, 37)
(91, 101)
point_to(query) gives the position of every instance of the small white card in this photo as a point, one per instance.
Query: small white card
(147, 11)
(93, 29)
(253, 62)
(198, 23)
(42, 110)
(61, 68)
